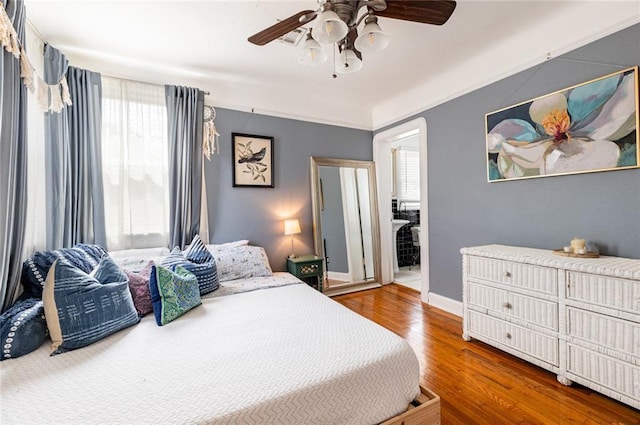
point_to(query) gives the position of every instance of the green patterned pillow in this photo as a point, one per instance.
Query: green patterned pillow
(173, 293)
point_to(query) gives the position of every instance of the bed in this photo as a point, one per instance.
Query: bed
(275, 352)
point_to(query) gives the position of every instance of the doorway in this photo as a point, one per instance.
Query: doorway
(405, 207)
(383, 143)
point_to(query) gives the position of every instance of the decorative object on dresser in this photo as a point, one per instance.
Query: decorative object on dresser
(306, 268)
(577, 317)
(577, 248)
(252, 160)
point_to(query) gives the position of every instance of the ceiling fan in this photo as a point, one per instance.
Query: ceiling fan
(338, 22)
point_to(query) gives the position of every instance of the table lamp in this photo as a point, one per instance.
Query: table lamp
(292, 227)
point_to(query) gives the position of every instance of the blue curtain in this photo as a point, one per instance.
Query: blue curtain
(185, 109)
(13, 162)
(75, 197)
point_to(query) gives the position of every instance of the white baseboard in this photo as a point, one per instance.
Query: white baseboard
(446, 304)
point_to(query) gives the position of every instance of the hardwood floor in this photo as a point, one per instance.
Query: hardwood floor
(479, 384)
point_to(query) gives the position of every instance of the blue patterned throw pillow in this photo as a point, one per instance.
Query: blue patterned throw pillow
(83, 308)
(22, 328)
(173, 293)
(199, 261)
(34, 270)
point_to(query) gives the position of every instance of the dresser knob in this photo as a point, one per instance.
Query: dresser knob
(506, 304)
(507, 335)
(507, 274)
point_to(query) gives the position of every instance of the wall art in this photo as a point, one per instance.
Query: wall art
(589, 127)
(252, 160)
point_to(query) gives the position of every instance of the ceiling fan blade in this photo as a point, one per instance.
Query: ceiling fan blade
(435, 12)
(281, 28)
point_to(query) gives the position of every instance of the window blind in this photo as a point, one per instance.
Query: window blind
(408, 168)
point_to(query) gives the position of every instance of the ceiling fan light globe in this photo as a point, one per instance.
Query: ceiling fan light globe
(311, 53)
(330, 28)
(348, 63)
(372, 39)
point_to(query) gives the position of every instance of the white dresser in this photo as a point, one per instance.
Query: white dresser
(577, 317)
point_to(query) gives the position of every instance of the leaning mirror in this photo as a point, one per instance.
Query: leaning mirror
(345, 223)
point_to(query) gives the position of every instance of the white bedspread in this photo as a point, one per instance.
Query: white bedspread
(285, 355)
(237, 286)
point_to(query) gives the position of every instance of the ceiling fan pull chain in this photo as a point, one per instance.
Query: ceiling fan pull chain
(334, 75)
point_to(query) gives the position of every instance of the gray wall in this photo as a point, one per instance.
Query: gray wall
(333, 220)
(257, 214)
(465, 210)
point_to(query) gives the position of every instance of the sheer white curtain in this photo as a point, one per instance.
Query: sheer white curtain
(135, 164)
(36, 220)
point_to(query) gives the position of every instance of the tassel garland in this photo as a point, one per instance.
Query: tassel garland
(51, 97)
(8, 35)
(26, 71)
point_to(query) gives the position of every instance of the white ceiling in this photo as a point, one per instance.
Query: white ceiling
(204, 44)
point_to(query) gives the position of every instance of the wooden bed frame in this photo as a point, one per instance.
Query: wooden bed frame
(424, 410)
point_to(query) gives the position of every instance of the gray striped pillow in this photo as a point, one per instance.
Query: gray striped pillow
(199, 261)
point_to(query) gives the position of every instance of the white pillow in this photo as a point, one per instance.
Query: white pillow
(240, 262)
(135, 260)
(219, 246)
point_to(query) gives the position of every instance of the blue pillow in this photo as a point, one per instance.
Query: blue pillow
(173, 293)
(35, 268)
(199, 261)
(81, 308)
(22, 328)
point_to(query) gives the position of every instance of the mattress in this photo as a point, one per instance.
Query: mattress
(285, 355)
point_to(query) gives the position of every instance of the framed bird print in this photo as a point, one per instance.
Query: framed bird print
(252, 160)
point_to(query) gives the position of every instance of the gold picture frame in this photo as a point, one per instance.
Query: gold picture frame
(589, 127)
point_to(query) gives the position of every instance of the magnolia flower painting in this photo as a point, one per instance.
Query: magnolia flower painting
(589, 127)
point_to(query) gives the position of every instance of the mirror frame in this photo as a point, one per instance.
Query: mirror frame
(317, 222)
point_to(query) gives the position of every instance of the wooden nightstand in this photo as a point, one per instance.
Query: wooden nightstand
(307, 267)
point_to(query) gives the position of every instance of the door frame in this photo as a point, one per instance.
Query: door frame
(382, 157)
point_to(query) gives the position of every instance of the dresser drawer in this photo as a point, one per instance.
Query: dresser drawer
(613, 374)
(534, 278)
(606, 291)
(606, 331)
(526, 341)
(529, 309)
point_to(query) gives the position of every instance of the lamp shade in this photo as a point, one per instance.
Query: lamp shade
(330, 28)
(311, 53)
(348, 62)
(372, 39)
(292, 227)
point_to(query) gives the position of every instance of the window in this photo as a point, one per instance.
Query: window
(135, 164)
(408, 169)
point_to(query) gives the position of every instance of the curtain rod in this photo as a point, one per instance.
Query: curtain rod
(143, 82)
(35, 31)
